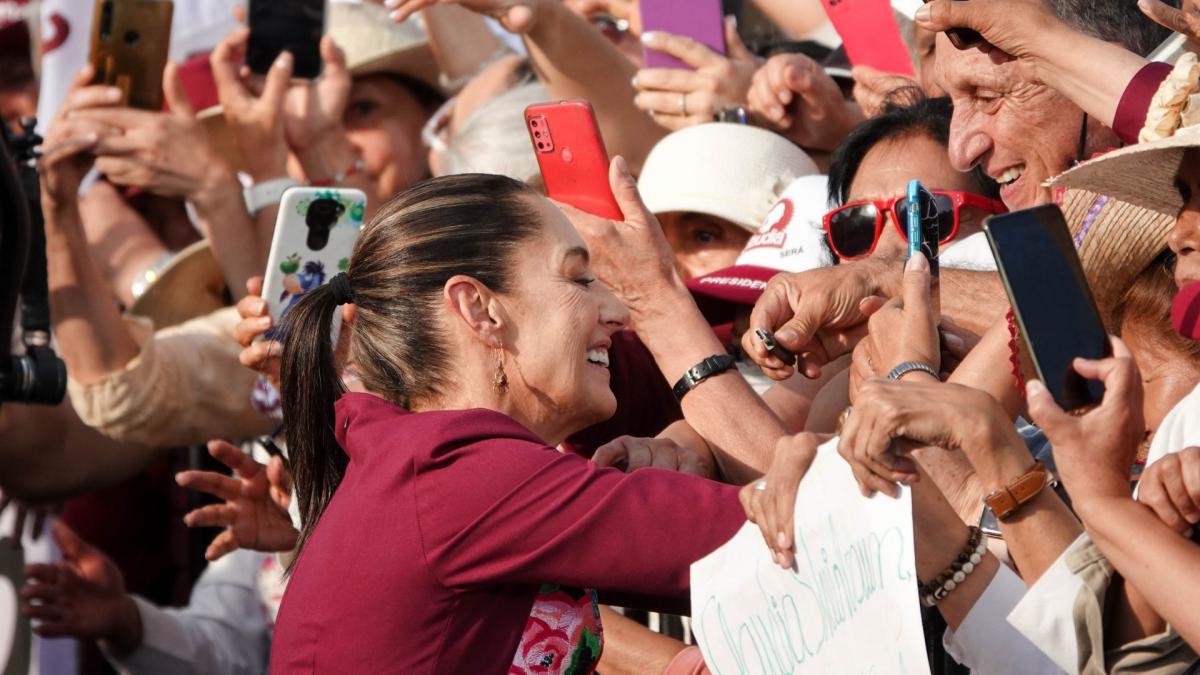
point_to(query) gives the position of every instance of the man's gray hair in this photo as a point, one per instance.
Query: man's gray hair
(1113, 21)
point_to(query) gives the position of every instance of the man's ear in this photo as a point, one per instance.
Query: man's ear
(476, 307)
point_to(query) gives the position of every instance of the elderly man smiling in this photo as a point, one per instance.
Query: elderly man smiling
(1009, 121)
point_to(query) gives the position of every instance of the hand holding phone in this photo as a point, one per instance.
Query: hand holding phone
(130, 40)
(700, 20)
(571, 156)
(777, 350)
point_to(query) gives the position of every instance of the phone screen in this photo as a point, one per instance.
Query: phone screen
(292, 25)
(1050, 298)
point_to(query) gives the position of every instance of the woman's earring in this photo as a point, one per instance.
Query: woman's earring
(501, 381)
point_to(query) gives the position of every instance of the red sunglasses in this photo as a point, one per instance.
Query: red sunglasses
(854, 229)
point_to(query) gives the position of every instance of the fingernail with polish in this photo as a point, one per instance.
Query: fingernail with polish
(650, 37)
(633, 82)
(922, 14)
(283, 60)
(781, 540)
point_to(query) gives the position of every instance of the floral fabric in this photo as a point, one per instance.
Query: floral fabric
(563, 634)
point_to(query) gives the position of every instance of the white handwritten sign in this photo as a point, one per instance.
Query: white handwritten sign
(848, 606)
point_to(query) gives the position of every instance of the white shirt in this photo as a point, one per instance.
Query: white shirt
(986, 643)
(225, 629)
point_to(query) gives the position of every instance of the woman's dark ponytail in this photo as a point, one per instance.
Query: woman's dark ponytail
(310, 384)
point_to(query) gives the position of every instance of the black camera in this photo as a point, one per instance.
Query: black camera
(321, 216)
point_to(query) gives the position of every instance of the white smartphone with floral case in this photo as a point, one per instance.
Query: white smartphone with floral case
(315, 233)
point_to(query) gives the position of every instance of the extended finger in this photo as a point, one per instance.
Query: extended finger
(1177, 491)
(48, 613)
(1170, 17)
(664, 103)
(174, 93)
(611, 454)
(279, 78)
(1044, 411)
(43, 573)
(226, 61)
(91, 98)
(258, 355)
(221, 487)
(692, 52)
(229, 455)
(255, 320)
(43, 593)
(221, 545)
(213, 515)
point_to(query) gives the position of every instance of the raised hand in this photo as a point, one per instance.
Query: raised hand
(81, 596)
(255, 512)
(253, 111)
(794, 96)
(263, 356)
(516, 16)
(1185, 19)
(679, 98)
(313, 109)
(70, 139)
(1095, 451)
(875, 89)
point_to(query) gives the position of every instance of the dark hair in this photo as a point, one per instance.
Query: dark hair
(1117, 21)
(468, 224)
(426, 96)
(928, 117)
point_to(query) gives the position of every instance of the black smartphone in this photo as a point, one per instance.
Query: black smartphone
(1051, 299)
(963, 38)
(286, 25)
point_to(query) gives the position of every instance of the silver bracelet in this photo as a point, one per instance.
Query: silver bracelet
(146, 279)
(908, 367)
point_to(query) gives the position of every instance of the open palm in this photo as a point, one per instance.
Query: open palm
(255, 509)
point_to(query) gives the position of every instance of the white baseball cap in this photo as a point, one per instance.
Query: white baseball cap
(730, 171)
(790, 238)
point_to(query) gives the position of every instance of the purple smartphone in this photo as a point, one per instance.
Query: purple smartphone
(700, 20)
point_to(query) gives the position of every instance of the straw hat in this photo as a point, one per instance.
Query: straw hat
(731, 171)
(1142, 174)
(1116, 241)
(189, 285)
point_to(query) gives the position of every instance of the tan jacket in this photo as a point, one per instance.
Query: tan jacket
(185, 387)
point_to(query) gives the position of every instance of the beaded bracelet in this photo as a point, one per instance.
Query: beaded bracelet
(935, 591)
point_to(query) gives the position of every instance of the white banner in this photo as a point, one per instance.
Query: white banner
(849, 605)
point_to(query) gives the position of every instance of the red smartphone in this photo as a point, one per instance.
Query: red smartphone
(571, 155)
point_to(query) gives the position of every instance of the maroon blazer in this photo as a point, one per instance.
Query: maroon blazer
(430, 553)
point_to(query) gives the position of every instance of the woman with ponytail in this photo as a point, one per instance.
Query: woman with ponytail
(441, 532)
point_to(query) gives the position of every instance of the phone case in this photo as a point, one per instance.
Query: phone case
(870, 34)
(701, 20)
(571, 155)
(1051, 300)
(129, 46)
(923, 226)
(315, 233)
(292, 25)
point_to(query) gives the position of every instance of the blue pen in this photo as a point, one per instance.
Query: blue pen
(914, 217)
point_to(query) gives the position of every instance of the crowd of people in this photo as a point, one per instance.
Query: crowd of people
(497, 441)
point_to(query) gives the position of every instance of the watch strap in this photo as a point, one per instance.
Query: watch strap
(713, 365)
(267, 193)
(909, 366)
(1008, 500)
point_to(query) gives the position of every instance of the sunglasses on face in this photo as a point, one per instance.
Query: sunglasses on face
(854, 229)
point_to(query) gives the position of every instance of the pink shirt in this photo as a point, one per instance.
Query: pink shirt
(447, 523)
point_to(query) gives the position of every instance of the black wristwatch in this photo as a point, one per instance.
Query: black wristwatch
(713, 365)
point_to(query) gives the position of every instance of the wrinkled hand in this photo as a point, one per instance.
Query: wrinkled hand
(899, 330)
(70, 139)
(874, 90)
(794, 96)
(255, 512)
(631, 257)
(517, 16)
(717, 81)
(1171, 487)
(1014, 29)
(263, 356)
(1094, 452)
(82, 596)
(166, 153)
(1185, 20)
(255, 118)
(629, 454)
(773, 507)
(890, 419)
(816, 314)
